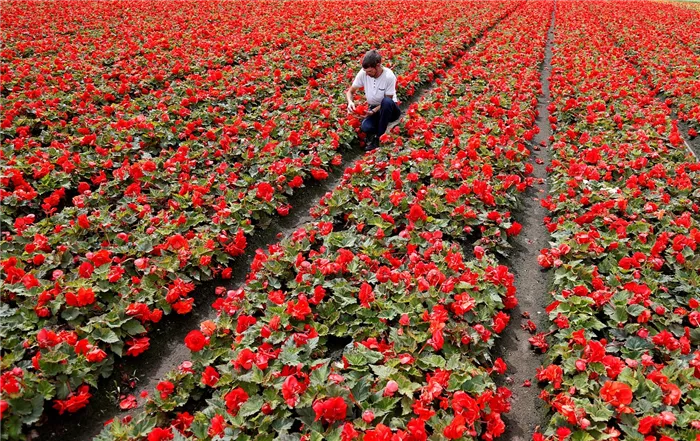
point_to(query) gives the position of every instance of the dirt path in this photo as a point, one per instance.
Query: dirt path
(167, 348)
(527, 410)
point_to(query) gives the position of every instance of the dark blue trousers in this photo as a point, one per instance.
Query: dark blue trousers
(376, 124)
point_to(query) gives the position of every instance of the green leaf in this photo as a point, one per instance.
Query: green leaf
(635, 309)
(282, 424)
(361, 391)
(695, 336)
(45, 389)
(69, 314)
(6, 311)
(360, 356)
(21, 406)
(290, 353)
(319, 376)
(341, 240)
(144, 245)
(433, 361)
(53, 357)
(335, 435)
(117, 348)
(383, 372)
(629, 426)
(580, 382)
(200, 428)
(105, 335)
(653, 395)
(600, 413)
(581, 435)
(454, 362)
(619, 314)
(406, 386)
(144, 426)
(251, 406)
(477, 384)
(177, 436)
(37, 410)
(133, 327)
(635, 346)
(629, 376)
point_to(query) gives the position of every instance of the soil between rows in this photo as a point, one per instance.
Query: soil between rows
(532, 283)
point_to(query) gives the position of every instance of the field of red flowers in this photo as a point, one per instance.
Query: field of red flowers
(624, 358)
(145, 143)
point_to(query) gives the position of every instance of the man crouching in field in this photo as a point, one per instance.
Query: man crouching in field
(380, 90)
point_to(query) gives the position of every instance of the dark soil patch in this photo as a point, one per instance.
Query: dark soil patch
(528, 411)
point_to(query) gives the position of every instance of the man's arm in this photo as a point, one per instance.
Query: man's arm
(391, 87)
(348, 94)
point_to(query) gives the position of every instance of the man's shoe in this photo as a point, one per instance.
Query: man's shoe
(372, 143)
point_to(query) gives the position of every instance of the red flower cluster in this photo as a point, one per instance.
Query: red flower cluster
(235, 399)
(195, 341)
(330, 410)
(74, 402)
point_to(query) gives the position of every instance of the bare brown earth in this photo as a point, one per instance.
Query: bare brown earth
(532, 283)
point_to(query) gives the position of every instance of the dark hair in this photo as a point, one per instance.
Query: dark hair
(371, 59)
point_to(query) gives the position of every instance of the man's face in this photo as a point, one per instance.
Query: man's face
(372, 71)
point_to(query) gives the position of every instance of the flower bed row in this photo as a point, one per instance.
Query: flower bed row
(88, 282)
(371, 321)
(678, 21)
(672, 67)
(60, 148)
(624, 362)
(212, 107)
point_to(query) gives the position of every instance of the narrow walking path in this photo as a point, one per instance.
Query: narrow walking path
(167, 348)
(532, 283)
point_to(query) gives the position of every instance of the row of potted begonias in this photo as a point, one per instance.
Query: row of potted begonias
(623, 358)
(87, 282)
(371, 322)
(672, 67)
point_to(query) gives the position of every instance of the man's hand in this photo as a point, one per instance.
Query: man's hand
(348, 95)
(371, 111)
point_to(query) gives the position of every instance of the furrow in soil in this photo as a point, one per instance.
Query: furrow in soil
(532, 283)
